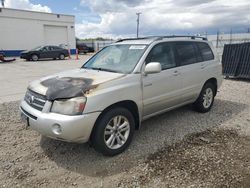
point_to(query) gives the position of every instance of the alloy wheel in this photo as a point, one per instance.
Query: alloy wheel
(116, 132)
(208, 98)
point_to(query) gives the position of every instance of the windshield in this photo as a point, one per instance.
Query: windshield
(36, 48)
(116, 58)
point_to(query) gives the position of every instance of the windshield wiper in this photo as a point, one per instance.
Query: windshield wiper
(101, 69)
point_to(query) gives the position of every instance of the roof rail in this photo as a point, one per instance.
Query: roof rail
(141, 38)
(182, 36)
(162, 37)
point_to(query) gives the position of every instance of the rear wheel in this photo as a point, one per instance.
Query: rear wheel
(34, 57)
(113, 131)
(61, 56)
(206, 99)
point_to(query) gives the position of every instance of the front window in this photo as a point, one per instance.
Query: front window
(116, 58)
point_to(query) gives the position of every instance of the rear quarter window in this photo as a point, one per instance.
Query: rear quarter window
(186, 53)
(205, 50)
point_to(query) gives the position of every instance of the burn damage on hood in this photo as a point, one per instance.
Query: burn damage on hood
(67, 87)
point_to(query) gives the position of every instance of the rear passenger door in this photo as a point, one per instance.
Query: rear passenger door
(161, 90)
(190, 63)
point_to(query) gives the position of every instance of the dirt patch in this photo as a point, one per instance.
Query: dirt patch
(218, 158)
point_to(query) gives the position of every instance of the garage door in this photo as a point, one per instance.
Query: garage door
(55, 35)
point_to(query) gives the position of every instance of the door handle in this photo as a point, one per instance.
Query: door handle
(148, 84)
(203, 66)
(176, 73)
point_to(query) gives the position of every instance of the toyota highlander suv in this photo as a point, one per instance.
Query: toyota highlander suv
(129, 81)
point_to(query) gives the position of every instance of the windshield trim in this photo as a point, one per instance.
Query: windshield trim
(146, 47)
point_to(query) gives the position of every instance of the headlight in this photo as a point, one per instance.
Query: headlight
(74, 106)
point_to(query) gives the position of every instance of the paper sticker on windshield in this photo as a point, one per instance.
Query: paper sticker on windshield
(137, 47)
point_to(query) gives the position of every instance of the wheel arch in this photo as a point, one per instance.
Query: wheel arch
(214, 82)
(128, 104)
(34, 53)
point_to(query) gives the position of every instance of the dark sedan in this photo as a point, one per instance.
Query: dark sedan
(45, 52)
(83, 48)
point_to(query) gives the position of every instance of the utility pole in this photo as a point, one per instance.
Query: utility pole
(217, 41)
(2, 3)
(138, 23)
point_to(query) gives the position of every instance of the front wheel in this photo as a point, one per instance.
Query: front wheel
(34, 57)
(61, 56)
(113, 132)
(206, 98)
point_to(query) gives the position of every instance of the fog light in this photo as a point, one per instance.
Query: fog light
(56, 129)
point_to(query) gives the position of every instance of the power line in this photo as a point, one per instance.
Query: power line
(138, 23)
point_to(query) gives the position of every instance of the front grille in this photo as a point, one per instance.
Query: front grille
(35, 100)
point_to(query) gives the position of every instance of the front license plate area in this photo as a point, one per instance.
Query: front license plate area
(25, 120)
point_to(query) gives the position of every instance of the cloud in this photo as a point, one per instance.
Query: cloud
(161, 17)
(26, 5)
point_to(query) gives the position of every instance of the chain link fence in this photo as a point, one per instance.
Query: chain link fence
(220, 39)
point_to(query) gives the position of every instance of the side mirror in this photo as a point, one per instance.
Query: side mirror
(152, 67)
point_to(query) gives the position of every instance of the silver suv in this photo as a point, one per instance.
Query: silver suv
(125, 83)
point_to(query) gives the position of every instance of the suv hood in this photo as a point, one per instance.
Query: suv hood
(73, 83)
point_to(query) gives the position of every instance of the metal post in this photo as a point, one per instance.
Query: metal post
(231, 36)
(217, 41)
(138, 22)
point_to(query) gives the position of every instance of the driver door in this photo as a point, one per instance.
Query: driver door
(45, 52)
(162, 90)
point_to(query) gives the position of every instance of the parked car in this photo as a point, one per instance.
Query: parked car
(45, 52)
(129, 81)
(83, 48)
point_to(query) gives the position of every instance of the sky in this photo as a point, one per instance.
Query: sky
(117, 18)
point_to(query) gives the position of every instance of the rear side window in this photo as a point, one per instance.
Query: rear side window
(205, 51)
(186, 53)
(164, 54)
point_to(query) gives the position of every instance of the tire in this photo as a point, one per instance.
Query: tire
(61, 56)
(206, 98)
(109, 139)
(34, 57)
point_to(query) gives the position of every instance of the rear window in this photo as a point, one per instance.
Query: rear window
(205, 51)
(186, 53)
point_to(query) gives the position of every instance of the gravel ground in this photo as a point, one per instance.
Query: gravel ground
(28, 160)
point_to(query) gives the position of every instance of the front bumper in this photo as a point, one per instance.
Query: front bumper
(72, 128)
(24, 56)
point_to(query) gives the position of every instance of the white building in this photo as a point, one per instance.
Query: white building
(22, 30)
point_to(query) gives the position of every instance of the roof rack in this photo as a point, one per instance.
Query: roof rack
(141, 38)
(182, 36)
(162, 37)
